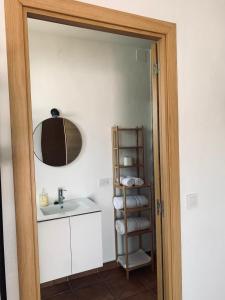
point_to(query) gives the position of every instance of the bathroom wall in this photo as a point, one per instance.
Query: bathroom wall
(96, 80)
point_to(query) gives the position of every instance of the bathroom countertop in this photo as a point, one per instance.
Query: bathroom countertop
(84, 206)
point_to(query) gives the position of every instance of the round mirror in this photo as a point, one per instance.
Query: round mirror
(57, 141)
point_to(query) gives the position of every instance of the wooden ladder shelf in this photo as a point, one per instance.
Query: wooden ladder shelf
(121, 148)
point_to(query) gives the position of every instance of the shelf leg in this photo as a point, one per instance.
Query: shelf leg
(126, 231)
(127, 274)
(116, 236)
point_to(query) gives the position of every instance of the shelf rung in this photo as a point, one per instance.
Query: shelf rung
(128, 147)
(130, 129)
(133, 166)
(139, 266)
(139, 232)
(136, 209)
(119, 186)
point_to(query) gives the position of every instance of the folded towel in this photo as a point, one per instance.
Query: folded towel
(131, 201)
(135, 259)
(133, 224)
(131, 181)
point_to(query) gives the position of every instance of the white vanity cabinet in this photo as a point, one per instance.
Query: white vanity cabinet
(86, 242)
(69, 245)
(54, 249)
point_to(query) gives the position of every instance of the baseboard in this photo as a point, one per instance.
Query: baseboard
(106, 266)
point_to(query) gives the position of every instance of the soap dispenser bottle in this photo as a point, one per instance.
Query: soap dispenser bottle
(43, 199)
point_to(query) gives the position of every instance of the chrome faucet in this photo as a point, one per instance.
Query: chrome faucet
(60, 195)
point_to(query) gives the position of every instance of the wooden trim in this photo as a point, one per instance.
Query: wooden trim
(169, 166)
(99, 14)
(22, 153)
(90, 24)
(157, 176)
(89, 16)
(173, 175)
(32, 170)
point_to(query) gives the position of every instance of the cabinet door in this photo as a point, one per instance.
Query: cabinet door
(86, 242)
(54, 249)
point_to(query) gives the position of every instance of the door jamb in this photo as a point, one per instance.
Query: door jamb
(89, 16)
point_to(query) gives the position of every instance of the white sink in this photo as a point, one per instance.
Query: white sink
(53, 209)
(72, 207)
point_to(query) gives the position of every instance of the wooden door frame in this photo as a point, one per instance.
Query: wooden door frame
(89, 16)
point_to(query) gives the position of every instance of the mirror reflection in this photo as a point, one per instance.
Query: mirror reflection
(57, 141)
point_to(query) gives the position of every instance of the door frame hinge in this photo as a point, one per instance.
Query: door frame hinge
(160, 207)
(156, 69)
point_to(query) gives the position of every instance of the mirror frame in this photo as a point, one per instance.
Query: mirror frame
(75, 13)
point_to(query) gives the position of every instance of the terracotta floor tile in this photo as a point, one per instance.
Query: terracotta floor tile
(107, 285)
(147, 295)
(124, 288)
(93, 292)
(114, 274)
(84, 281)
(146, 277)
(50, 291)
(64, 296)
(149, 283)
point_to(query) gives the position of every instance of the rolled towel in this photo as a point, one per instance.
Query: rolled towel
(138, 181)
(128, 181)
(133, 224)
(131, 181)
(131, 201)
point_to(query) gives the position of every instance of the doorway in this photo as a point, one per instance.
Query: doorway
(96, 80)
(106, 20)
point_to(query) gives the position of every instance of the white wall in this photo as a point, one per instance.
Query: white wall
(93, 82)
(201, 73)
(6, 174)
